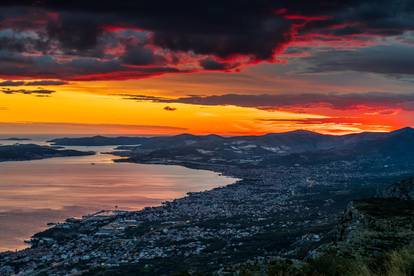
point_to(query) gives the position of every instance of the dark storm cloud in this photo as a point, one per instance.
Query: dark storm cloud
(16, 43)
(11, 83)
(15, 65)
(393, 60)
(214, 27)
(140, 55)
(76, 33)
(214, 65)
(219, 35)
(356, 18)
(267, 101)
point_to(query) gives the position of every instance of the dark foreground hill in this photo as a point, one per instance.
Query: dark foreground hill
(374, 236)
(21, 152)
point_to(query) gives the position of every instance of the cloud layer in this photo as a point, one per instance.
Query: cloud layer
(32, 83)
(376, 100)
(94, 40)
(37, 92)
(395, 60)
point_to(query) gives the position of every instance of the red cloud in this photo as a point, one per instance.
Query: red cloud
(93, 39)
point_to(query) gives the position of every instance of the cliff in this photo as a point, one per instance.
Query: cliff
(371, 227)
(374, 236)
(403, 189)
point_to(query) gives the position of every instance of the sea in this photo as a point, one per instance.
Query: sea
(35, 193)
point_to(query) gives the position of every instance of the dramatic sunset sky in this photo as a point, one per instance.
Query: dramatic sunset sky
(233, 67)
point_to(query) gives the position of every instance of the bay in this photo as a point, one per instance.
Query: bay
(34, 193)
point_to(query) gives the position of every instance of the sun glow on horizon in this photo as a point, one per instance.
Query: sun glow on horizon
(106, 113)
(75, 112)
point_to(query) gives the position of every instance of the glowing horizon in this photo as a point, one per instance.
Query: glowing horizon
(108, 114)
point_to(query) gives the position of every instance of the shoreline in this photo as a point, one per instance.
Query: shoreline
(51, 224)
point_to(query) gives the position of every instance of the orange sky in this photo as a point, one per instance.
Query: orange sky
(94, 108)
(76, 108)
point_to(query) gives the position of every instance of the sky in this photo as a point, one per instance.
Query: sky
(225, 67)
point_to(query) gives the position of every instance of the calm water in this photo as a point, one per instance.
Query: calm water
(33, 193)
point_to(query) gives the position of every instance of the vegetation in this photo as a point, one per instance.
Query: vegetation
(400, 262)
(395, 263)
(386, 207)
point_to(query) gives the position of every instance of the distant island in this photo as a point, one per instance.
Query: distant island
(21, 152)
(15, 139)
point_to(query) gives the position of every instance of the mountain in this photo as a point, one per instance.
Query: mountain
(399, 143)
(402, 131)
(396, 147)
(158, 141)
(289, 142)
(283, 143)
(289, 148)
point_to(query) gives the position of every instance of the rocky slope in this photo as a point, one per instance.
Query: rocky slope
(374, 236)
(372, 227)
(403, 189)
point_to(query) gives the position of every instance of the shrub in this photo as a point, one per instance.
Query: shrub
(400, 262)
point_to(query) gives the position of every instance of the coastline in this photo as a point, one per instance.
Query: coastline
(283, 211)
(123, 212)
(57, 215)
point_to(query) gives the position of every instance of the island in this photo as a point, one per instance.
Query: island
(22, 152)
(15, 139)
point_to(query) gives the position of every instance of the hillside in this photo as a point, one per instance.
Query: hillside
(375, 236)
(279, 143)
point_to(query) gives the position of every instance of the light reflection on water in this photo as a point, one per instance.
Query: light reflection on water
(33, 193)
